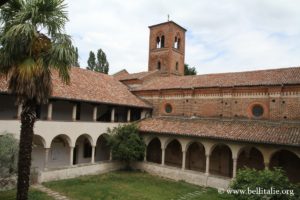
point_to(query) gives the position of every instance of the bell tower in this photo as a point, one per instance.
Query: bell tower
(167, 48)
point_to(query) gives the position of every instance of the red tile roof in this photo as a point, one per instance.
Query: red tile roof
(234, 130)
(90, 86)
(250, 78)
(139, 75)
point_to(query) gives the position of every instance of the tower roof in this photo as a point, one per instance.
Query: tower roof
(168, 22)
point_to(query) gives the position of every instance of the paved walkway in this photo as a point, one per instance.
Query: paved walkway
(51, 193)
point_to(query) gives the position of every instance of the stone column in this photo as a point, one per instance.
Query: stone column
(183, 160)
(162, 156)
(234, 167)
(49, 114)
(71, 156)
(128, 115)
(46, 158)
(110, 155)
(266, 165)
(19, 111)
(93, 154)
(207, 165)
(95, 113)
(145, 155)
(74, 112)
(112, 115)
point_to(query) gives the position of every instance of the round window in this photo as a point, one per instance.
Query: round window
(257, 110)
(168, 108)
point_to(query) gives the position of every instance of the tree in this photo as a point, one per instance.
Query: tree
(32, 43)
(101, 65)
(8, 154)
(91, 61)
(76, 64)
(252, 180)
(189, 70)
(126, 143)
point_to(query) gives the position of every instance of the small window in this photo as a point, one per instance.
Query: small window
(158, 65)
(158, 42)
(257, 110)
(176, 66)
(168, 108)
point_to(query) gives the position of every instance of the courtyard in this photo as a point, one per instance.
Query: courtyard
(123, 185)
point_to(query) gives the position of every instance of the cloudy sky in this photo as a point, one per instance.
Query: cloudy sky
(222, 36)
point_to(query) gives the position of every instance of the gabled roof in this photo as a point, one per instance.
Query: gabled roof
(139, 75)
(168, 22)
(250, 78)
(90, 86)
(265, 132)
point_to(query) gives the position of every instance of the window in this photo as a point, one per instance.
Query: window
(87, 149)
(176, 66)
(176, 42)
(158, 65)
(168, 108)
(162, 42)
(257, 110)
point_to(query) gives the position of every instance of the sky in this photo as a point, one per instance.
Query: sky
(222, 36)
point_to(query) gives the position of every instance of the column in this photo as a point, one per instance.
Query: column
(49, 114)
(183, 160)
(19, 111)
(128, 115)
(266, 165)
(145, 155)
(93, 154)
(234, 167)
(95, 113)
(46, 158)
(207, 165)
(71, 156)
(74, 112)
(162, 156)
(110, 155)
(112, 115)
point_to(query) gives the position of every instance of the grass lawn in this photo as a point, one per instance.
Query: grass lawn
(131, 186)
(33, 195)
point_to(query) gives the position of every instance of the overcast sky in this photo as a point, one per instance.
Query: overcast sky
(222, 36)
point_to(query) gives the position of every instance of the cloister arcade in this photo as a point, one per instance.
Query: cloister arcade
(220, 159)
(63, 153)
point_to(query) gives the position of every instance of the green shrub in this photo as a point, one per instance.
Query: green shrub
(126, 143)
(8, 154)
(264, 183)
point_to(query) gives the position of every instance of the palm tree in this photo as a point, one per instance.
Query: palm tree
(32, 44)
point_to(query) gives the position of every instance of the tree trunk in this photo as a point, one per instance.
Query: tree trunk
(28, 118)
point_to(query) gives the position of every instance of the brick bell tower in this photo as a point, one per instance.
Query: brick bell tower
(167, 48)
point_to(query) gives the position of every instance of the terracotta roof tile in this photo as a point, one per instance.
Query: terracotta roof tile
(139, 75)
(247, 131)
(250, 78)
(90, 86)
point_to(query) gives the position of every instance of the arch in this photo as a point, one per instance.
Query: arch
(59, 151)
(221, 160)
(83, 149)
(173, 153)
(38, 152)
(195, 157)
(102, 152)
(289, 162)
(39, 141)
(250, 157)
(154, 151)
